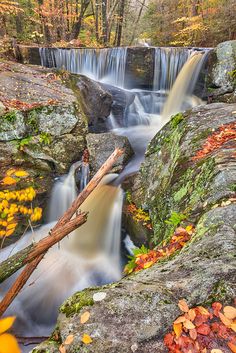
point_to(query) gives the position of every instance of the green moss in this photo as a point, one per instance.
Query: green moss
(32, 120)
(9, 117)
(176, 120)
(221, 292)
(77, 302)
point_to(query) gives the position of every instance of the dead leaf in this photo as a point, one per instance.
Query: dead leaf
(182, 304)
(178, 329)
(69, 339)
(180, 319)
(97, 297)
(193, 334)
(192, 314)
(216, 351)
(232, 347)
(230, 312)
(233, 326)
(84, 317)
(225, 320)
(62, 348)
(188, 324)
(86, 339)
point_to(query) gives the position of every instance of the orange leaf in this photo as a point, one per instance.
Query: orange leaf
(178, 329)
(62, 349)
(232, 347)
(230, 312)
(8, 181)
(192, 314)
(180, 319)
(233, 327)
(225, 320)
(203, 311)
(193, 334)
(183, 305)
(188, 324)
(84, 317)
(148, 264)
(86, 339)
(69, 339)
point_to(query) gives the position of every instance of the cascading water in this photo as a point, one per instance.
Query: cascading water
(168, 63)
(106, 65)
(91, 254)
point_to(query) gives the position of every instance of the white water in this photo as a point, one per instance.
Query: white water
(91, 255)
(106, 65)
(88, 256)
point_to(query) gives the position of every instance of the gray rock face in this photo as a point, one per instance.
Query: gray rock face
(12, 126)
(226, 63)
(100, 147)
(140, 309)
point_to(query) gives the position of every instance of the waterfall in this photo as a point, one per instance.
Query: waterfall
(181, 93)
(105, 65)
(89, 256)
(168, 63)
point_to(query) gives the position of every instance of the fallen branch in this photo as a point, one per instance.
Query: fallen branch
(35, 253)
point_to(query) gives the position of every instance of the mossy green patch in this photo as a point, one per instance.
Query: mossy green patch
(77, 302)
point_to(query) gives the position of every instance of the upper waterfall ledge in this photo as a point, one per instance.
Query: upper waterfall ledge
(139, 309)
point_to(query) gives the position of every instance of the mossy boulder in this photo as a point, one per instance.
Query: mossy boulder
(140, 309)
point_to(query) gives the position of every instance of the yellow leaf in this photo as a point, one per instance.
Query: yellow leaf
(10, 172)
(86, 339)
(6, 323)
(230, 312)
(8, 181)
(21, 173)
(148, 264)
(69, 339)
(11, 226)
(8, 344)
(178, 329)
(225, 320)
(192, 314)
(216, 351)
(84, 317)
(183, 305)
(10, 232)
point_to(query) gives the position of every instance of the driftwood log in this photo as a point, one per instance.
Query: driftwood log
(34, 253)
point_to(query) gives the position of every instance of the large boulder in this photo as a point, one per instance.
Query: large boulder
(95, 101)
(139, 309)
(100, 146)
(222, 73)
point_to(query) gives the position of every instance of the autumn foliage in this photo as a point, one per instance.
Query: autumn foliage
(15, 204)
(8, 343)
(144, 258)
(201, 330)
(217, 140)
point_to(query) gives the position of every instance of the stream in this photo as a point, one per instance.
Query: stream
(91, 255)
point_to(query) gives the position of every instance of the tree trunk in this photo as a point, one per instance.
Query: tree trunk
(137, 21)
(120, 23)
(77, 25)
(104, 22)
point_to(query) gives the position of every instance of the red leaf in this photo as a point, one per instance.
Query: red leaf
(204, 329)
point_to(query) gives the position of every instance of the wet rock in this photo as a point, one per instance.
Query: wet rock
(94, 99)
(140, 309)
(101, 146)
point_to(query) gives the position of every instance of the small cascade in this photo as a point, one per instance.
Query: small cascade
(168, 63)
(180, 97)
(63, 194)
(105, 65)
